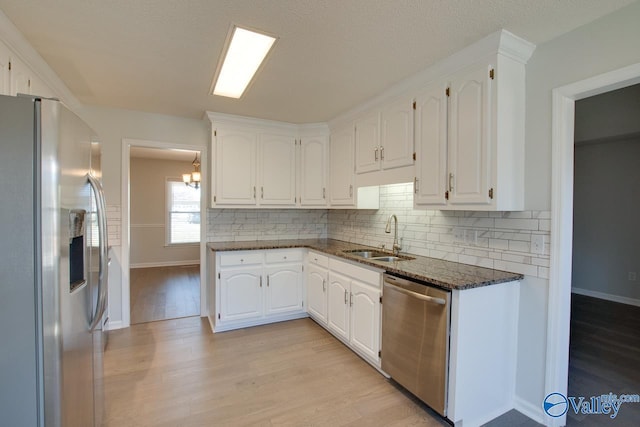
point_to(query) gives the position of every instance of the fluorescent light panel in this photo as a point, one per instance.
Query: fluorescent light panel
(246, 52)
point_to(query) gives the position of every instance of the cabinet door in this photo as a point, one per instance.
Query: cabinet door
(235, 157)
(469, 127)
(284, 289)
(317, 293)
(241, 294)
(431, 146)
(20, 78)
(277, 170)
(341, 164)
(367, 137)
(313, 176)
(396, 134)
(365, 319)
(5, 85)
(338, 305)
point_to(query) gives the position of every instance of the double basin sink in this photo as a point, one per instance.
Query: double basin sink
(376, 255)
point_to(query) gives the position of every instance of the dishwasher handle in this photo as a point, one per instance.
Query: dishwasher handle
(421, 297)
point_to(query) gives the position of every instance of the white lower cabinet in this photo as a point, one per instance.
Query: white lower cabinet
(241, 293)
(353, 309)
(284, 289)
(317, 279)
(257, 287)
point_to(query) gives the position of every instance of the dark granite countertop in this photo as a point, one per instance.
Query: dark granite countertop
(446, 274)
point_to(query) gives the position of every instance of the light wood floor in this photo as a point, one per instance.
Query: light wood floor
(604, 357)
(161, 293)
(177, 373)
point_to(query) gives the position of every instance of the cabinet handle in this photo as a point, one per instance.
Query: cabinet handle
(324, 285)
(260, 281)
(415, 185)
(450, 182)
(262, 192)
(381, 153)
(267, 281)
(345, 297)
(254, 191)
(324, 193)
(351, 300)
(351, 191)
(375, 154)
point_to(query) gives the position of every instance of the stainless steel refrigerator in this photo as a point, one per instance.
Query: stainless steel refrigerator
(53, 266)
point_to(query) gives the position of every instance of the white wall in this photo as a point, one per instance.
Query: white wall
(148, 208)
(604, 45)
(114, 125)
(606, 239)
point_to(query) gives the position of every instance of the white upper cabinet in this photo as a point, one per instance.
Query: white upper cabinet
(267, 164)
(384, 138)
(367, 139)
(470, 115)
(341, 164)
(313, 171)
(470, 136)
(20, 78)
(396, 134)
(431, 146)
(235, 167)
(5, 83)
(277, 166)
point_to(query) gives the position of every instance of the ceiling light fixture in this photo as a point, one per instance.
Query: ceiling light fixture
(193, 179)
(244, 53)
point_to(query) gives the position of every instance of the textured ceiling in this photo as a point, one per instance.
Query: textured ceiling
(160, 55)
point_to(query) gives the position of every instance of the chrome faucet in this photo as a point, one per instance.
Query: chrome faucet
(387, 229)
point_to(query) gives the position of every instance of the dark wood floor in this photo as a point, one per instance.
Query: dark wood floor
(162, 293)
(604, 357)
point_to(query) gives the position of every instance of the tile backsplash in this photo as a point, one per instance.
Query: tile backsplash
(265, 224)
(500, 240)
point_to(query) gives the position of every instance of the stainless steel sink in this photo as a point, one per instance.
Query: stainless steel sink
(377, 255)
(366, 254)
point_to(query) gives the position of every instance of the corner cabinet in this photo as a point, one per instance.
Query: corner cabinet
(470, 137)
(256, 287)
(265, 164)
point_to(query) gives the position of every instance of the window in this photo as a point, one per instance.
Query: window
(183, 213)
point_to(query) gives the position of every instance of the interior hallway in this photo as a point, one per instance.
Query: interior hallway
(161, 293)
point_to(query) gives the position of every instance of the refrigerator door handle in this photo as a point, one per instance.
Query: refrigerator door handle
(103, 273)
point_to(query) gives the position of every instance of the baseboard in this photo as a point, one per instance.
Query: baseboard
(113, 325)
(532, 411)
(605, 296)
(164, 264)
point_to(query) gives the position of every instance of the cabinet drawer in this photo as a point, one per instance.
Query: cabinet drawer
(241, 258)
(319, 259)
(276, 256)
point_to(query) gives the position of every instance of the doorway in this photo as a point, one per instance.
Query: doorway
(162, 231)
(605, 303)
(558, 325)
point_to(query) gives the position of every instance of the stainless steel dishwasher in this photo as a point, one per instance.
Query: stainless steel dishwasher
(415, 338)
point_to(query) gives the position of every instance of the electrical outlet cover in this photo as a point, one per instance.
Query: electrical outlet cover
(537, 244)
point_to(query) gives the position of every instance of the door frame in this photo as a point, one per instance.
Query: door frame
(562, 144)
(127, 143)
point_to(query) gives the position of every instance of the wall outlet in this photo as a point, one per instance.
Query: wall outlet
(632, 276)
(537, 244)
